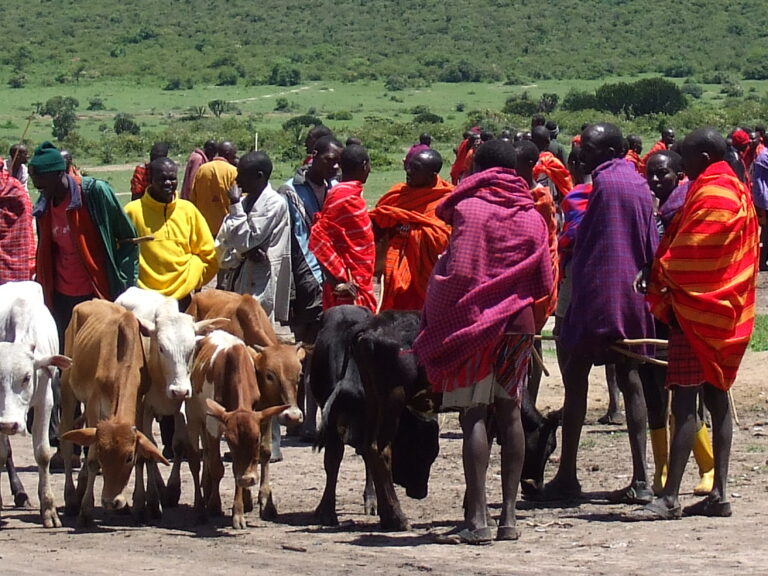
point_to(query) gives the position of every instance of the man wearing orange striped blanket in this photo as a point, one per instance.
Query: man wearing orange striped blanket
(703, 285)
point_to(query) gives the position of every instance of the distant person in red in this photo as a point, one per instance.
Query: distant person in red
(549, 170)
(457, 169)
(342, 236)
(634, 149)
(197, 158)
(72, 170)
(140, 179)
(17, 239)
(667, 139)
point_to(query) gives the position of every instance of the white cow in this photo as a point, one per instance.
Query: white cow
(170, 336)
(29, 345)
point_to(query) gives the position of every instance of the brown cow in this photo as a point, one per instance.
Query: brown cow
(278, 368)
(104, 342)
(225, 388)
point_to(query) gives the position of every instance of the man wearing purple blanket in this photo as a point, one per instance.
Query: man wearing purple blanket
(616, 238)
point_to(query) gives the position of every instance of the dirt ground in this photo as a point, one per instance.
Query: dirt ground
(593, 538)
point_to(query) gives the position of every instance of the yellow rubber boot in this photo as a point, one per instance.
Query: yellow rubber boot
(660, 446)
(705, 458)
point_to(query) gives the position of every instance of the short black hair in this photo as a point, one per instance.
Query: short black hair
(255, 162)
(495, 154)
(160, 162)
(675, 160)
(159, 150)
(353, 157)
(322, 145)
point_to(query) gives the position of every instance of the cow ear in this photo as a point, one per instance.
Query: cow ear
(301, 352)
(146, 327)
(57, 360)
(204, 327)
(271, 411)
(146, 449)
(259, 349)
(84, 436)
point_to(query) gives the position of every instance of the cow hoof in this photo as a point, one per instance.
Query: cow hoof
(238, 522)
(51, 519)
(71, 509)
(172, 496)
(215, 511)
(84, 521)
(139, 515)
(395, 524)
(21, 500)
(268, 512)
(326, 518)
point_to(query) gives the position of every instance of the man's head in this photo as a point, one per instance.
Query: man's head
(701, 148)
(18, 154)
(210, 147)
(325, 160)
(575, 167)
(228, 151)
(495, 154)
(485, 136)
(668, 136)
(163, 179)
(740, 139)
(540, 137)
(253, 172)
(353, 140)
(159, 150)
(314, 134)
(425, 139)
(47, 168)
(760, 129)
(553, 128)
(505, 135)
(635, 143)
(537, 120)
(600, 143)
(664, 170)
(422, 170)
(355, 163)
(527, 154)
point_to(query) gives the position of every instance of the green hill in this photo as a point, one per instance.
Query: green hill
(181, 43)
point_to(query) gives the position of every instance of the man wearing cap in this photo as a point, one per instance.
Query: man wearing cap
(84, 245)
(554, 146)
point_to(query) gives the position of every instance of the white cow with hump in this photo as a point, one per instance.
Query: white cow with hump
(29, 346)
(170, 336)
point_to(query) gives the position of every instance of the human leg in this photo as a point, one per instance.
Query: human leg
(719, 407)
(613, 415)
(475, 457)
(512, 440)
(653, 378)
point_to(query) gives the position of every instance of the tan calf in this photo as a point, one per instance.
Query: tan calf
(104, 343)
(278, 368)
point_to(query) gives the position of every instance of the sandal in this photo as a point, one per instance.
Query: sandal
(477, 537)
(508, 533)
(709, 506)
(657, 510)
(635, 493)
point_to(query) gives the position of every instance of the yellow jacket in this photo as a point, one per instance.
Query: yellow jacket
(209, 191)
(182, 256)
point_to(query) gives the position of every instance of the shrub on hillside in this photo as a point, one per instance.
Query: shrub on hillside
(125, 123)
(579, 100)
(521, 105)
(284, 75)
(427, 118)
(340, 115)
(95, 104)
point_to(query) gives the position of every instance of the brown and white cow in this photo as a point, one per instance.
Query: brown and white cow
(104, 341)
(278, 368)
(29, 346)
(170, 343)
(225, 389)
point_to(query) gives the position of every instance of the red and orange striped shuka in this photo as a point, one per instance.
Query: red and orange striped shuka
(555, 170)
(705, 271)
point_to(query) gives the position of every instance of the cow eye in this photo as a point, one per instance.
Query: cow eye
(129, 459)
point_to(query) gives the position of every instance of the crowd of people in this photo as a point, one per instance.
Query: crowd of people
(637, 257)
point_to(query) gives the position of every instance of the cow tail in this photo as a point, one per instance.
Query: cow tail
(325, 416)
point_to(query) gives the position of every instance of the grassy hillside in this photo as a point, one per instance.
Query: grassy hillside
(189, 42)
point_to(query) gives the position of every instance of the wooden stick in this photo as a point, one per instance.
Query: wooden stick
(640, 357)
(539, 360)
(643, 342)
(545, 337)
(733, 408)
(139, 240)
(21, 141)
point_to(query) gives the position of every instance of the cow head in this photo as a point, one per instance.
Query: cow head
(540, 442)
(117, 446)
(242, 431)
(172, 343)
(19, 370)
(414, 449)
(278, 368)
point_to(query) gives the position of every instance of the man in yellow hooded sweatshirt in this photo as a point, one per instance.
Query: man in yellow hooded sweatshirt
(179, 255)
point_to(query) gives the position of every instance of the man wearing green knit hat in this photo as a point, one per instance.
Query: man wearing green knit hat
(84, 247)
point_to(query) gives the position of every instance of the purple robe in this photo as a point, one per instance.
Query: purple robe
(615, 239)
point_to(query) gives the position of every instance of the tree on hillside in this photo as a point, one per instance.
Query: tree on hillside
(62, 110)
(218, 107)
(124, 123)
(548, 102)
(520, 104)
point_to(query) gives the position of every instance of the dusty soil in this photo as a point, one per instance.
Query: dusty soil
(592, 538)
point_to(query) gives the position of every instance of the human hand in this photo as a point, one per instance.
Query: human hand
(641, 280)
(345, 289)
(234, 194)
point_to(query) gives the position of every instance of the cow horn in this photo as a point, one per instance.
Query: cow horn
(259, 349)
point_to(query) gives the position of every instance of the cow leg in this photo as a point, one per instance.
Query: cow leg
(20, 498)
(194, 418)
(369, 492)
(68, 401)
(334, 453)
(85, 518)
(267, 509)
(390, 514)
(238, 513)
(155, 485)
(4, 445)
(215, 468)
(42, 448)
(179, 443)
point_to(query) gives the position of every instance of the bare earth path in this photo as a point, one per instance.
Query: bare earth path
(589, 539)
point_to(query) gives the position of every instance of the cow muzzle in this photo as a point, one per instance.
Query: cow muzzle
(247, 480)
(291, 417)
(11, 428)
(179, 392)
(117, 503)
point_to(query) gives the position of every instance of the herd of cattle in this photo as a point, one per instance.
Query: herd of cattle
(219, 369)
